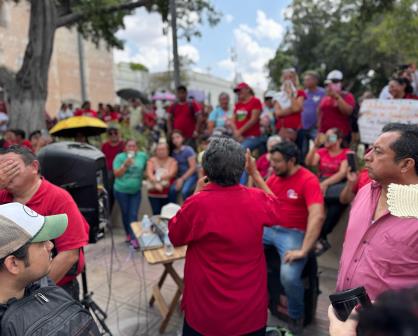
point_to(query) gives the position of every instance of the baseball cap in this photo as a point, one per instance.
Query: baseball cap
(334, 75)
(240, 86)
(269, 94)
(20, 225)
(169, 211)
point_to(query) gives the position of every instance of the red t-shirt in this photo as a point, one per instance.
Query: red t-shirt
(292, 120)
(110, 151)
(330, 115)
(263, 165)
(295, 194)
(113, 116)
(225, 279)
(85, 113)
(329, 165)
(52, 200)
(410, 96)
(243, 113)
(26, 143)
(184, 117)
(363, 179)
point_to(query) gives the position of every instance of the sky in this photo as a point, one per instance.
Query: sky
(254, 29)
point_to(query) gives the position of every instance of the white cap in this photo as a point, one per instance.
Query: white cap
(169, 211)
(20, 225)
(334, 74)
(269, 94)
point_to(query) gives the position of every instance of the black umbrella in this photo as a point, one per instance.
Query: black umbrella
(129, 94)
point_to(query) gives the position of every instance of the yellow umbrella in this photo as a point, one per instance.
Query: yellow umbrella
(72, 126)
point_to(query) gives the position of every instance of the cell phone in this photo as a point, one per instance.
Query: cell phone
(344, 302)
(352, 162)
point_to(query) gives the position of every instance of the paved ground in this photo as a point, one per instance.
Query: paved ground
(126, 300)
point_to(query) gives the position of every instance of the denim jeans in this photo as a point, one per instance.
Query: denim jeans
(252, 143)
(290, 274)
(157, 203)
(303, 138)
(129, 205)
(186, 190)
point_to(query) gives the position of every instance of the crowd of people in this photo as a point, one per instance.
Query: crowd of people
(202, 157)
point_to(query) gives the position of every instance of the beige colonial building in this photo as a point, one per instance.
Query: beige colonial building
(64, 73)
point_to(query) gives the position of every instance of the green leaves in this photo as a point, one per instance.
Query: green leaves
(354, 36)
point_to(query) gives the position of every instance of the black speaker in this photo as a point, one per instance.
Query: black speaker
(276, 291)
(81, 170)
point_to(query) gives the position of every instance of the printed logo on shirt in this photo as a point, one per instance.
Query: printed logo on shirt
(316, 98)
(241, 115)
(291, 194)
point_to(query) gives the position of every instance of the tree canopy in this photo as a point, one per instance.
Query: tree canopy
(365, 39)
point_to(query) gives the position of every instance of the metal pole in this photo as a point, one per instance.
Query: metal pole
(82, 72)
(176, 61)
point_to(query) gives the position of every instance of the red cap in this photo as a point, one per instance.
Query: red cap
(241, 86)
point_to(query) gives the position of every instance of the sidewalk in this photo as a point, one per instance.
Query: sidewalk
(132, 280)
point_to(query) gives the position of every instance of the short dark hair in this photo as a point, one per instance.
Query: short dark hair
(21, 254)
(182, 88)
(288, 149)
(25, 153)
(393, 313)
(34, 133)
(406, 146)
(19, 132)
(404, 82)
(224, 161)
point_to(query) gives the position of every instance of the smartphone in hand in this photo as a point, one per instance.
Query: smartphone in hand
(352, 162)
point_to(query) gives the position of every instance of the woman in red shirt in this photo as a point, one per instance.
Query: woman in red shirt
(331, 164)
(401, 88)
(288, 106)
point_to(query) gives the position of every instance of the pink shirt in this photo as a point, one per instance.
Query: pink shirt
(378, 255)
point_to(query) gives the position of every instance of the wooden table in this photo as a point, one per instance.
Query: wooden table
(155, 257)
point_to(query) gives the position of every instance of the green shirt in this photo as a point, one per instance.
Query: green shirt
(131, 181)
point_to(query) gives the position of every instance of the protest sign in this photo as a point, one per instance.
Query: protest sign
(376, 113)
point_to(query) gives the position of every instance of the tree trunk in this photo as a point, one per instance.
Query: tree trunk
(29, 90)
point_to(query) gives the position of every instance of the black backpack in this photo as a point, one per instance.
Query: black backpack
(47, 311)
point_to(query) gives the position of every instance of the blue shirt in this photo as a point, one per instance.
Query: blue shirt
(219, 116)
(182, 157)
(310, 106)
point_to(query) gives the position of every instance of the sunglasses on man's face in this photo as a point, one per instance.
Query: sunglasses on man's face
(113, 133)
(335, 81)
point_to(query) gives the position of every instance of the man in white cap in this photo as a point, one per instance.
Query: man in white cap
(267, 119)
(29, 188)
(335, 109)
(25, 247)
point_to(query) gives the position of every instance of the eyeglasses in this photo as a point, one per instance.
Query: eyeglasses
(335, 81)
(113, 133)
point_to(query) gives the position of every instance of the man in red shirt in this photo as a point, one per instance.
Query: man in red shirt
(184, 116)
(31, 189)
(301, 206)
(110, 149)
(337, 106)
(225, 279)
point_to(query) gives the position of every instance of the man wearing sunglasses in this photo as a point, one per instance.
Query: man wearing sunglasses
(335, 109)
